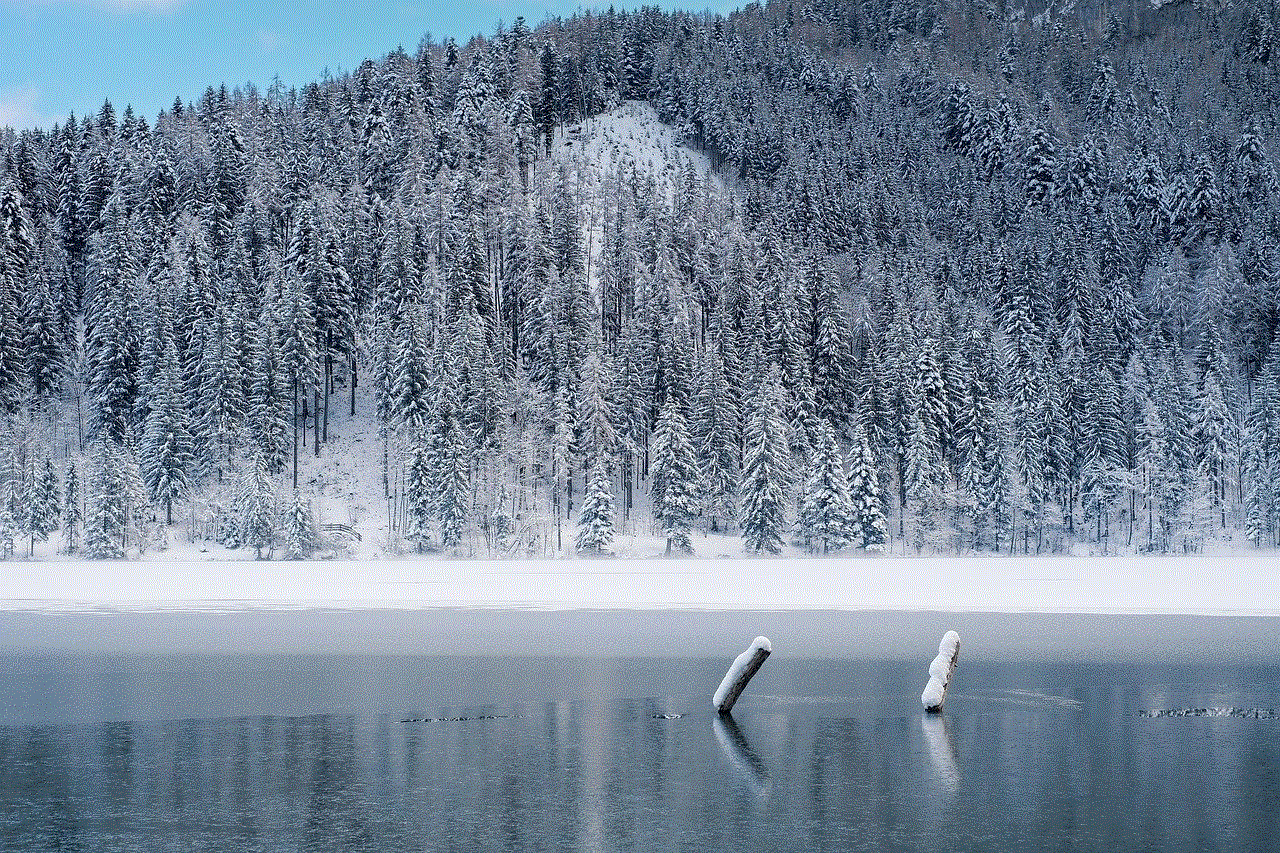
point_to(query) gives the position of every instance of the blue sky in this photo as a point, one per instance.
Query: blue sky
(62, 55)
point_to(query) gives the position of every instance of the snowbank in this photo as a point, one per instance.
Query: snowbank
(1100, 585)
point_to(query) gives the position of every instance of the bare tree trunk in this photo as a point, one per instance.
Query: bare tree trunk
(295, 432)
(328, 389)
(1133, 510)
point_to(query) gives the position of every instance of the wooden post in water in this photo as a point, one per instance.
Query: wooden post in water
(940, 672)
(744, 667)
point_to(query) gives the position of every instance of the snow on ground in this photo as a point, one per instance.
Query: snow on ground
(1242, 585)
(344, 482)
(612, 144)
(631, 135)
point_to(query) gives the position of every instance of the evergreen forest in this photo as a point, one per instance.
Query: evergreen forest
(962, 276)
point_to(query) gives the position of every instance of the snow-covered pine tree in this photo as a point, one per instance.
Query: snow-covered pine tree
(1257, 36)
(1040, 168)
(827, 520)
(869, 531)
(1084, 175)
(833, 367)
(44, 505)
(926, 472)
(419, 494)
(1261, 458)
(598, 438)
(255, 508)
(161, 284)
(716, 429)
(595, 524)
(560, 452)
(13, 491)
(1205, 201)
(222, 408)
(1026, 388)
(71, 512)
(168, 458)
(674, 475)
(112, 334)
(299, 528)
(8, 528)
(335, 307)
(299, 358)
(1102, 465)
(1103, 93)
(269, 409)
(1143, 187)
(46, 342)
(106, 527)
(1216, 433)
(958, 121)
(1152, 474)
(411, 372)
(766, 469)
(15, 261)
(995, 138)
(450, 463)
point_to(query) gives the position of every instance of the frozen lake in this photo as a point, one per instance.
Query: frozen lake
(560, 732)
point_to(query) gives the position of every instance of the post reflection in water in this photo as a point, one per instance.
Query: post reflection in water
(1071, 767)
(944, 784)
(942, 752)
(736, 748)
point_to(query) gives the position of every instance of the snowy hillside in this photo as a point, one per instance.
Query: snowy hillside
(631, 136)
(933, 309)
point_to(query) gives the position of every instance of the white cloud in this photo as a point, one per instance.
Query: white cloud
(19, 109)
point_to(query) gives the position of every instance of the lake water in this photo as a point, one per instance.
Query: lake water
(106, 751)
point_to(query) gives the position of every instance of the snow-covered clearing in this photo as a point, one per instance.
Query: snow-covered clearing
(1098, 585)
(631, 136)
(603, 150)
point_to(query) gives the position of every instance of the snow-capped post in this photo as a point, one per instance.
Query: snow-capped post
(940, 671)
(743, 669)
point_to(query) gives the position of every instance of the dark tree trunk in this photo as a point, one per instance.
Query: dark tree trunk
(295, 432)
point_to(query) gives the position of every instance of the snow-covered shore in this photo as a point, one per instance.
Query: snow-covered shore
(1204, 585)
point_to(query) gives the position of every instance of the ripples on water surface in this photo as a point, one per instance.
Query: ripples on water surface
(314, 753)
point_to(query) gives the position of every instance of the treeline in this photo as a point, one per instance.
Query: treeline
(981, 281)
